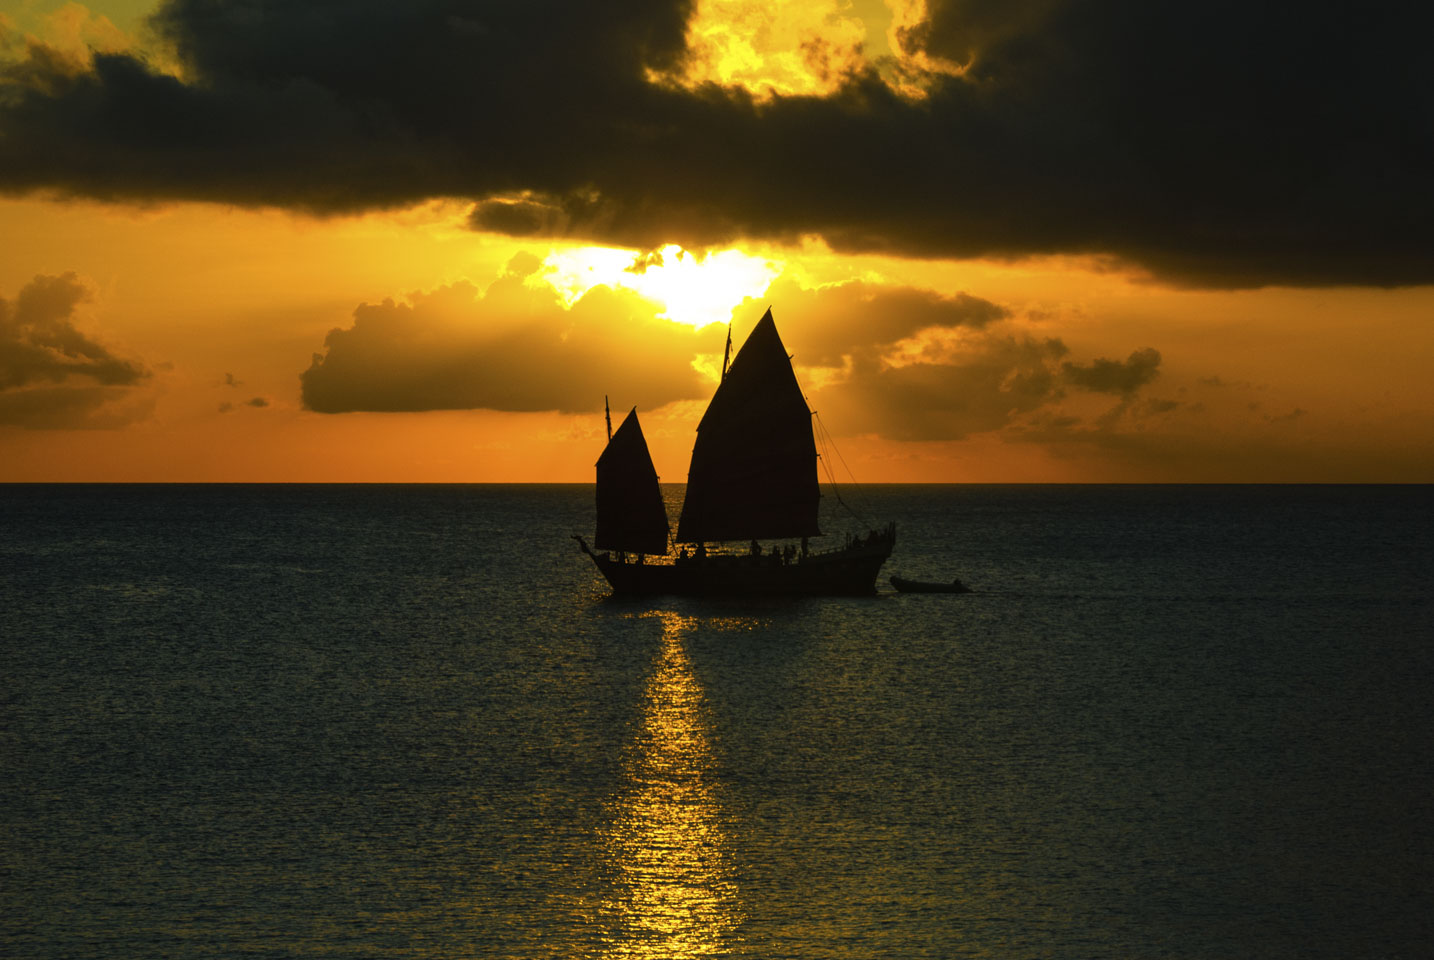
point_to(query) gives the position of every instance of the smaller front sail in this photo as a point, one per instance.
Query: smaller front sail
(630, 514)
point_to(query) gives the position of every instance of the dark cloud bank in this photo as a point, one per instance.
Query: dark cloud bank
(1221, 143)
(51, 374)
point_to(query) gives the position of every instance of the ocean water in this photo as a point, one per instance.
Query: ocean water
(406, 722)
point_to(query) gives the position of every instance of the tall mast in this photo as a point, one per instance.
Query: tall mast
(607, 412)
(727, 352)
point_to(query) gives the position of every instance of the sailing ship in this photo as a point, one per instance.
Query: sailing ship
(753, 477)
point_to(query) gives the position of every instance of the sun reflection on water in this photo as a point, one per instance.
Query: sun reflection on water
(666, 837)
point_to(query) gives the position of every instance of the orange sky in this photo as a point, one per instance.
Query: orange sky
(174, 339)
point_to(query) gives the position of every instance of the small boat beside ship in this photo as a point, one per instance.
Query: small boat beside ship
(904, 585)
(753, 478)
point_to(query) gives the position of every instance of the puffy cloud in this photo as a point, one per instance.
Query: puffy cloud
(835, 321)
(52, 375)
(906, 363)
(258, 403)
(1217, 144)
(903, 362)
(980, 386)
(1114, 376)
(513, 347)
(899, 362)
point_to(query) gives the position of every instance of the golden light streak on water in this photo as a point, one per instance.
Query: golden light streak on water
(667, 836)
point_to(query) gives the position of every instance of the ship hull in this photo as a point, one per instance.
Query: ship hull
(848, 572)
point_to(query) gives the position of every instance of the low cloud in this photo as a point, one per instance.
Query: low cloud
(905, 363)
(836, 321)
(982, 385)
(511, 347)
(53, 375)
(1114, 376)
(258, 403)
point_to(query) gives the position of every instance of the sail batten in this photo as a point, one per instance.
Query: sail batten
(754, 464)
(630, 513)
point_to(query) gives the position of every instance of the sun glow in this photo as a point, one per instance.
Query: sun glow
(695, 289)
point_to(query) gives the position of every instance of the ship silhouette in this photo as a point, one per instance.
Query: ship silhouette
(753, 478)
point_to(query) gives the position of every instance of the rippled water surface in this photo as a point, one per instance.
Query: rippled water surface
(369, 721)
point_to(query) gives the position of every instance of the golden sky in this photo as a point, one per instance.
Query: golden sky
(271, 241)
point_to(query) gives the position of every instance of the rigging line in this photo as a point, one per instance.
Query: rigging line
(836, 491)
(835, 486)
(821, 445)
(854, 482)
(827, 441)
(823, 437)
(826, 462)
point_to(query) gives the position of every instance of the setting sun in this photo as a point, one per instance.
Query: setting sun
(695, 289)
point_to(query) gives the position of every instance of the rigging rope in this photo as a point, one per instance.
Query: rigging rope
(824, 439)
(829, 440)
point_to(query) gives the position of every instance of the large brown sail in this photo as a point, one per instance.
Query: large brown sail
(630, 514)
(754, 465)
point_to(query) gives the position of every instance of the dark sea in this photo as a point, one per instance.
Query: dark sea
(405, 722)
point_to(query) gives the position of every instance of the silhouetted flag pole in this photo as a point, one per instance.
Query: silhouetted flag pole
(727, 351)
